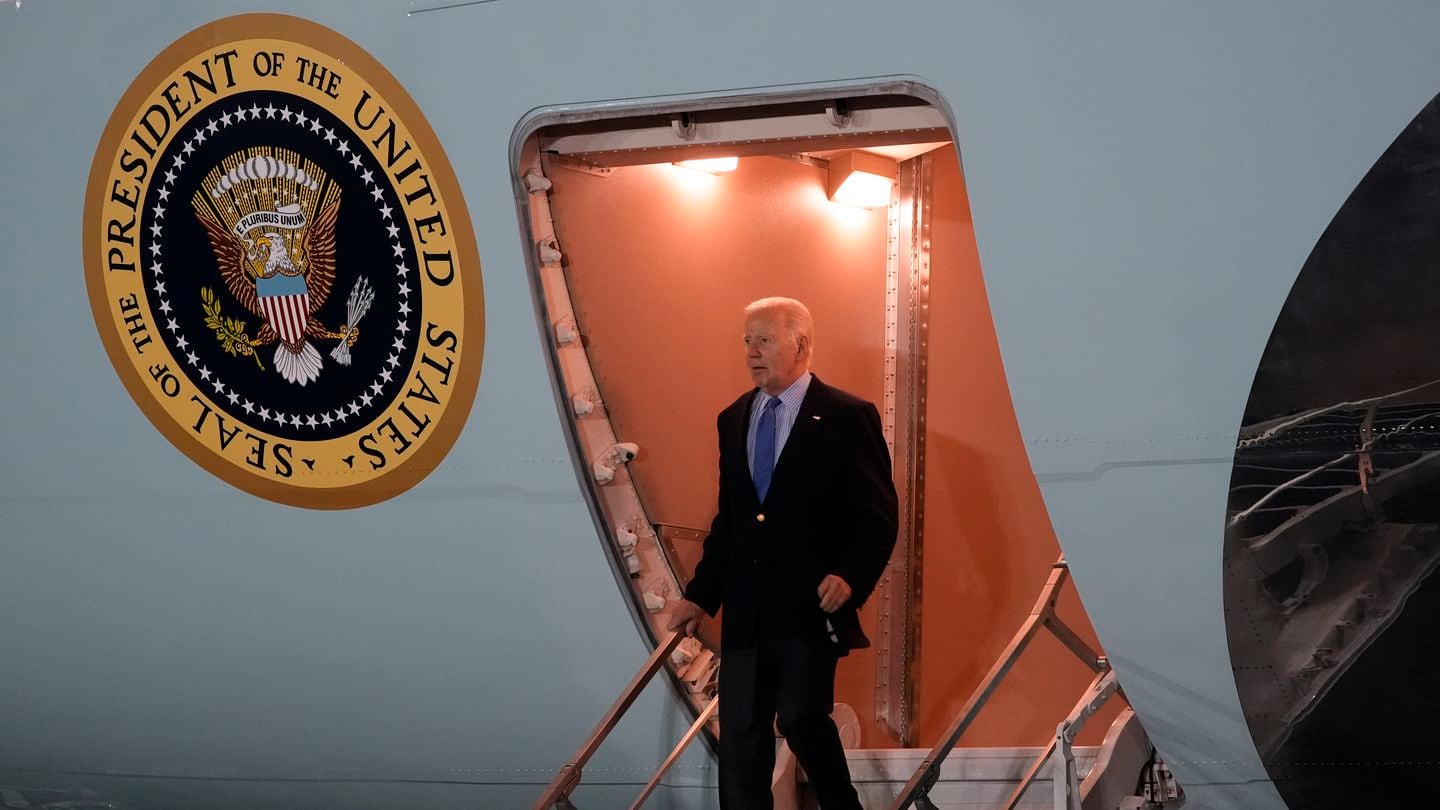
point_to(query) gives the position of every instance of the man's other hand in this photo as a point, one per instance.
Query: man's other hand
(686, 616)
(834, 592)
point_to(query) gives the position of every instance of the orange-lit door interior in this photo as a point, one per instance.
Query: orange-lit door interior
(661, 259)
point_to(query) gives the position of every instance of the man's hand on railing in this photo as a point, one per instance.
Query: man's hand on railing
(685, 616)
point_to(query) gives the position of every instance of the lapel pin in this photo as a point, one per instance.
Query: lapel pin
(816, 418)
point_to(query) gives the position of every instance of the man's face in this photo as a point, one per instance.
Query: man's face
(774, 358)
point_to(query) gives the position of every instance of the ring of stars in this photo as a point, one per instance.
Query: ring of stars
(278, 417)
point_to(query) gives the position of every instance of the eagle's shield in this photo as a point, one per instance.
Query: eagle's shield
(286, 304)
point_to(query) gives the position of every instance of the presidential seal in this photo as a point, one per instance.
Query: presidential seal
(281, 266)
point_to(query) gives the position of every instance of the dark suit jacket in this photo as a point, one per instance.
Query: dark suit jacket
(831, 509)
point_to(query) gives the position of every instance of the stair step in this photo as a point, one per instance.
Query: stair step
(969, 777)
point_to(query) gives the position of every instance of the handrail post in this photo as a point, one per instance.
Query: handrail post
(568, 777)
(1064, 778)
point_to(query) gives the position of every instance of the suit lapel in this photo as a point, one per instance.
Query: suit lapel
(814, 409)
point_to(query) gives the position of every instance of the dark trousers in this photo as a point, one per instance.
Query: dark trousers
(792, 679)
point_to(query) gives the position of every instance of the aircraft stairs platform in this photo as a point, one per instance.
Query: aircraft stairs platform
(971, 778)
(1056, 776)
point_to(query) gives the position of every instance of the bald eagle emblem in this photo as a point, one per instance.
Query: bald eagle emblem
(270, 217)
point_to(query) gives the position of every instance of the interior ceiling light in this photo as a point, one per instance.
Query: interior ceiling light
(861, 179)
(711, 165)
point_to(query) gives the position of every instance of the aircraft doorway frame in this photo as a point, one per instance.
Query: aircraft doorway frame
(907, 339)
(642, 565)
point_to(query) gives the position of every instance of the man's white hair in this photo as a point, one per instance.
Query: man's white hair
(790, 315)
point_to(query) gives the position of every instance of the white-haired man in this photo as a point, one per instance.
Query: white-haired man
(806, 523)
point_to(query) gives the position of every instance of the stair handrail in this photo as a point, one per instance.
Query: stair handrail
(675, 753)
(917, 791)
(557, 794)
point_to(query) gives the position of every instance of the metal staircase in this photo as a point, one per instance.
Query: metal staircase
(1057, 776)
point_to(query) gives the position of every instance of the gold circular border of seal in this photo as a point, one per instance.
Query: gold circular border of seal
(409, 471)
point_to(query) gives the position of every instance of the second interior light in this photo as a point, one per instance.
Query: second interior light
(861, 179)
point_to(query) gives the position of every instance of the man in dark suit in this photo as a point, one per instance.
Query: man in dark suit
(806, 523)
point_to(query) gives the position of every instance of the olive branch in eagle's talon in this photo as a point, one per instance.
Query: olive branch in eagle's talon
(229, 331)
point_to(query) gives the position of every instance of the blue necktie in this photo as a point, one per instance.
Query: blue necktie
(765, 448)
